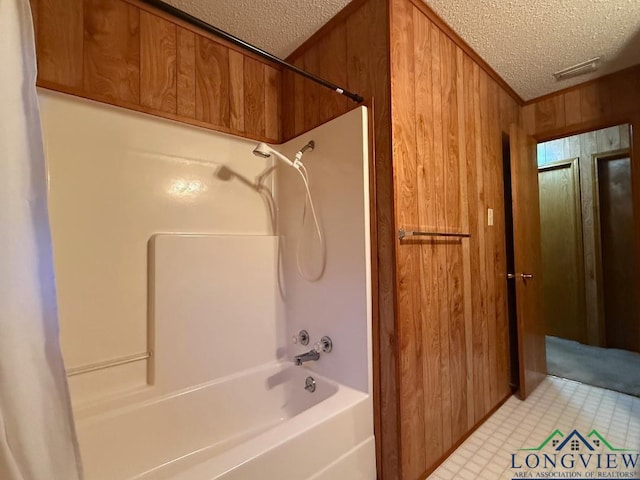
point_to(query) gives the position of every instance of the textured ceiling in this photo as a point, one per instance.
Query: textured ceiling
(277, 26)
(525, 41)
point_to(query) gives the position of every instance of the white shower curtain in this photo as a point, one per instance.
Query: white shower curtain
(37, 438)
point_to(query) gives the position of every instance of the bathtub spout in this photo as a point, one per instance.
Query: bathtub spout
(307, 357)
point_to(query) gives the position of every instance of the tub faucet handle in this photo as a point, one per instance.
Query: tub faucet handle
(325, 345)
(302, 338)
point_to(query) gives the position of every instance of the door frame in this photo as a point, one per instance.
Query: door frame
(596, 158)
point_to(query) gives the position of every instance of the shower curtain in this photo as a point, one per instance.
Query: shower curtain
(37, 438)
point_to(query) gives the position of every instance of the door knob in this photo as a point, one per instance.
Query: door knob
(511, 275)
(526, 276)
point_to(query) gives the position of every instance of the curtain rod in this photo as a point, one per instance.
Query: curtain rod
(182, 15)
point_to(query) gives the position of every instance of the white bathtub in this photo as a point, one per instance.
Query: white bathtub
(260, 424)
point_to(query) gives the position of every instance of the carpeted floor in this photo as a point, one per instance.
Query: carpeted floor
(609, 368)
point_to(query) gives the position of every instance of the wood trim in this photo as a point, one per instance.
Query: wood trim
(558, 165)
(595, 159)
(466, 48)
(375, 314)
(583, 127)
(325, 29)
(78, 92)
(634, 148)
(582, 85)
(456, 445)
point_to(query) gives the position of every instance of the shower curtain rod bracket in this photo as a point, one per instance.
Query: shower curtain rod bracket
(184, 16)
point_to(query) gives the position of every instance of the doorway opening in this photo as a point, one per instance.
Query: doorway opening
(514, 361)
(590, 305)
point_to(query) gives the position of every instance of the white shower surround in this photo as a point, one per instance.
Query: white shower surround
(293, 434)
(272, 429)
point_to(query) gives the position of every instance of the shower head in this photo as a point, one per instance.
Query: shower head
(265, 151)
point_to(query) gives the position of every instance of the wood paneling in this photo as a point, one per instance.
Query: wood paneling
(158, 49)
(236, 92)
(59, 41)
(464, 47)
(254, 96)
(332, 56)
(424, 46)
(125, 53)
(615, 214)
(112, 49)
(412, 406)
(273, 93)
(452, 335)
(609, 100)
(186, 78)
(212, 82)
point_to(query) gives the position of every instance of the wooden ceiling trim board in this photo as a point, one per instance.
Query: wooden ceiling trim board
(457, 39)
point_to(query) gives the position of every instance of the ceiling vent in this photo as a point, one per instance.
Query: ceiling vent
(579, 69)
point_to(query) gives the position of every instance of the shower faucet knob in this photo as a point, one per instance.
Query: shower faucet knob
(302, 337)
(325, 345)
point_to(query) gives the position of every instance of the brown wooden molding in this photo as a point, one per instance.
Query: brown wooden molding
(457, 39)
(583, 127)
(579, 86)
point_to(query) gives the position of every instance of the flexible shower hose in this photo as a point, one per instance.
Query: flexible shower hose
(308, 199)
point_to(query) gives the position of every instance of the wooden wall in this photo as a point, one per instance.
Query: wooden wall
(607, 101)
(125, 53)
(604, 102)
(352, 50)
(448, 118)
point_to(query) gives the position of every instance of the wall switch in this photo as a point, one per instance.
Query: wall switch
(490, 217)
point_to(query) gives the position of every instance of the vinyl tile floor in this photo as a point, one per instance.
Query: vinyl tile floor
(527, 439)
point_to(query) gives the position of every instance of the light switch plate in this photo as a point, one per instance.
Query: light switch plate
(490, 217)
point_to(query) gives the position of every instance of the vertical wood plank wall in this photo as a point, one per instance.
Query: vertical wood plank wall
(604, 102)
(448, 117)
(125, 53)
(353, 50)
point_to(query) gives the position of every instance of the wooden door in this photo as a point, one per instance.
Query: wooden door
(562, 252)
(617, 266)
(528, 260)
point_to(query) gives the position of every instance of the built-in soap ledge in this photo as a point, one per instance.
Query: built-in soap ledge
(92, 386)
(72, 372)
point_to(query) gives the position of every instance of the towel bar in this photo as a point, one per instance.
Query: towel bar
(410, 233)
